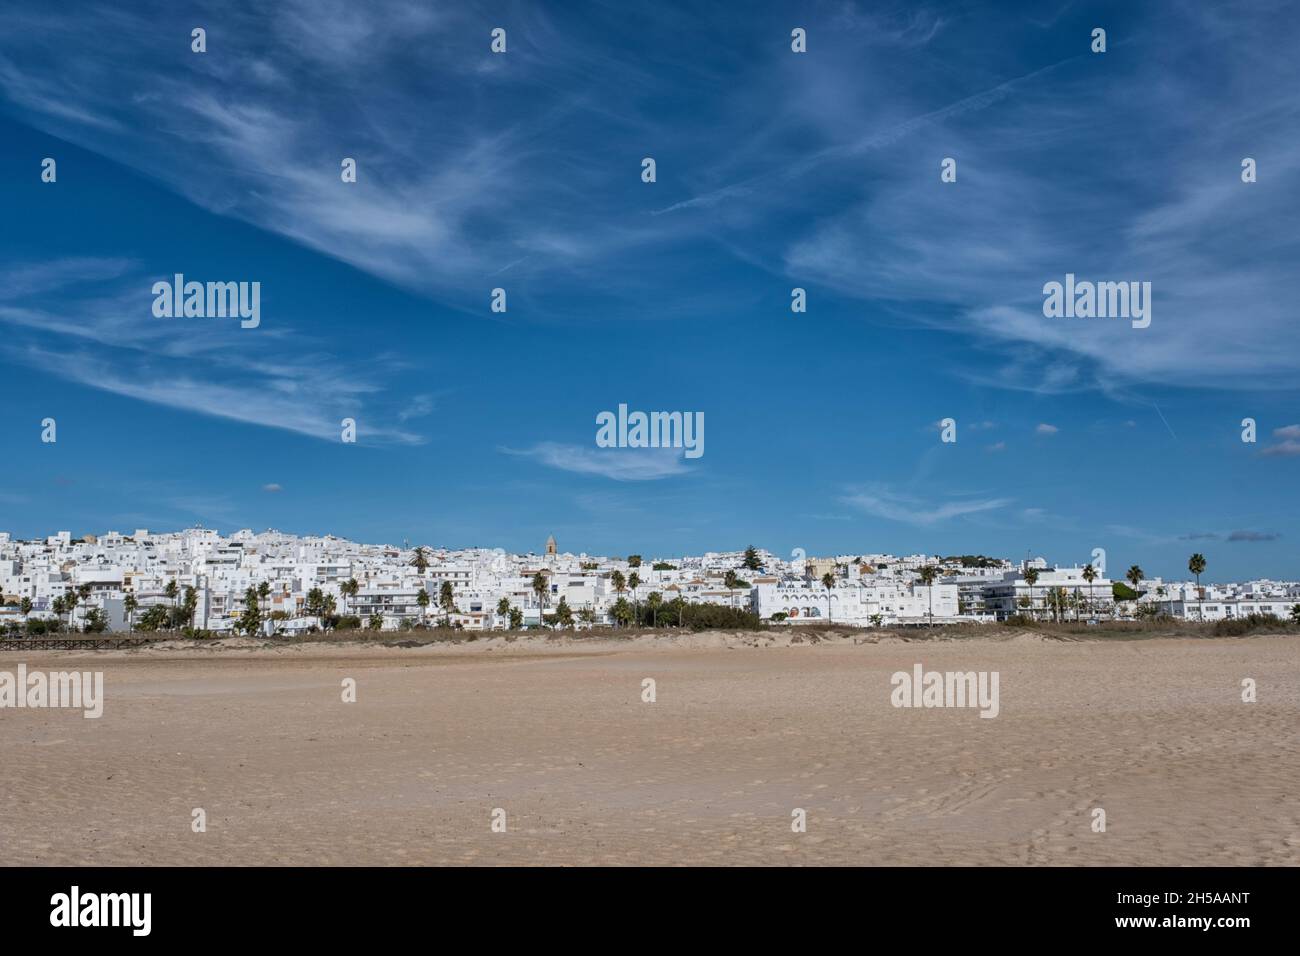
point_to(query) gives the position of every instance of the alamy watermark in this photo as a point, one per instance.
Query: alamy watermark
(651, 430)
(208, 300)
(75, 908)
(923, 688)
(1101, 300)
(81, 690)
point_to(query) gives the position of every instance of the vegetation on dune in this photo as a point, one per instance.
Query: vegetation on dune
(1156, 624)
(1256, 623)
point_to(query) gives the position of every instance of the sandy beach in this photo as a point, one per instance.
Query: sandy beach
(742, 732)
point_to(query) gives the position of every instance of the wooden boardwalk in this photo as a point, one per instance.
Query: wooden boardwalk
(82, 642)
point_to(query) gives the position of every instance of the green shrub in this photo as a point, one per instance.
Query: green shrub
(1234, 627)
(707, 617)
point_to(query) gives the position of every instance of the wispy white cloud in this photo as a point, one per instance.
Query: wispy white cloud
(99, 332)
(18, 279)
(883, 502)
(1287, 445)
(972, 256)
(875, 140)
(255, 128)
(1151, 538)
(418, 407)
(620, 464)
(803, 167)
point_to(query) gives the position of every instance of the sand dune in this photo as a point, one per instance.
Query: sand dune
(555, 733)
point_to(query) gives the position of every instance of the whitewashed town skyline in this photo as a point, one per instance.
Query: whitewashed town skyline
(113, 580)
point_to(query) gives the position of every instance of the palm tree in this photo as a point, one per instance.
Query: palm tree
(421, 559)
(70, 605)
(653, 600)
(191, 603)
(622, 612)
(83, 594)
(171, 590)
(251, 620)
(447, 601)
(928, 574)
(25, 606)
(327, 611)
(503, 609)
(540, 589)
(349, 588)
(1031, 578)
(422, 599)
(634, 582)
(1060, 604)
(828, 582)
(1196, 564)
(1090, 575)
(1135, 576)
(58, 606)
(730, 581)
(619, 583)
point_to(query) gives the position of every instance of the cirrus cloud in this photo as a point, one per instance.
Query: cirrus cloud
(619, 464)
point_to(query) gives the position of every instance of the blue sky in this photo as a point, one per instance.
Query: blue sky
(774, 170)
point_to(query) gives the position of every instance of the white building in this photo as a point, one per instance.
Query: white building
(868, 588)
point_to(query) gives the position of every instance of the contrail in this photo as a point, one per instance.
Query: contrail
(975, 101)
(1163, 419)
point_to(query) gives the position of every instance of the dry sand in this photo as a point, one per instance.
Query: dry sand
(556, 734)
